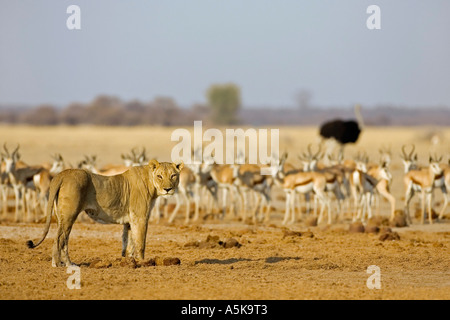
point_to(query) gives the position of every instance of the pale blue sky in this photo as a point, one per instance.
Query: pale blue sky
(143, 49)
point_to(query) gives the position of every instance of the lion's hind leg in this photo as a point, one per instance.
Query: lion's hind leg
(126, 243)
(66, 213)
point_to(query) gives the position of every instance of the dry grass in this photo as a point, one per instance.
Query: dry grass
(37, 143)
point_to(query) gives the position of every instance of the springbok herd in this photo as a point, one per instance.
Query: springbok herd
(242, 191)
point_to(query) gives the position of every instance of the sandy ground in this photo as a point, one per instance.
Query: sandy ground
(322, 262)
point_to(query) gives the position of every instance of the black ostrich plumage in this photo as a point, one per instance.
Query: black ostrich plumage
(343, 131)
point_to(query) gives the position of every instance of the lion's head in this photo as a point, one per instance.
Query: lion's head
(165, 176)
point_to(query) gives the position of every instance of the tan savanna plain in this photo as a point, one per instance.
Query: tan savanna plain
(270, 262)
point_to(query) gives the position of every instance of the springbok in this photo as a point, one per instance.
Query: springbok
(42, 182)
(185, 190)
(409, 159)
(334, 174)
(301, 182)
(19, 177)
(410, 163)
(251, 181)
(224, 175)
(89, 163)
(363, 185)
(205, 187)
(423, 180)
(381, 172)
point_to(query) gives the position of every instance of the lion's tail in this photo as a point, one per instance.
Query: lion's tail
(53, 195)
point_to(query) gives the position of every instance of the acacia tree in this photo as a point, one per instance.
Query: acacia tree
(225, 103)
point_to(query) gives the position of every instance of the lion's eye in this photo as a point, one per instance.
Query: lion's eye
(173, 176)
(159, 176)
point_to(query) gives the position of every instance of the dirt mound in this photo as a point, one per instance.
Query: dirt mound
(371, 228)
(170, 261)
(132, 263)
(356, 227)
(375, 223)
(230, 243)
(213, 242)
(388, 234)
(378, 221)
(304, 234)
(399, 220)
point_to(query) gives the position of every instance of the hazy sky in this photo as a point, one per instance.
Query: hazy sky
(141, 49)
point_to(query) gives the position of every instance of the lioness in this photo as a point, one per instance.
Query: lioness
(125, 199)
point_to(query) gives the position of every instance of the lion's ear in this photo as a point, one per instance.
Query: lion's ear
(179, 165)
(153, 164)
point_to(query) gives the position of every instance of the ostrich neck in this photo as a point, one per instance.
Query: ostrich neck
(359, 117)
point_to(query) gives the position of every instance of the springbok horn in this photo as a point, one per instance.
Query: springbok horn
(6, 149)
(17, 149)
(404, 152)
(412, 150)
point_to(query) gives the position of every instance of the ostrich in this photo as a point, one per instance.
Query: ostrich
(341, 132)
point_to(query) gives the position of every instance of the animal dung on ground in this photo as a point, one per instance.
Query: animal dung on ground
(399, 220)
(371, 228)
(170, 261)
(157, 261)
(214, 242)
(378, 221)
(99, 264)
(304, 234)
(389, 235)
(231, 242)
(356, 227)
(128, 262)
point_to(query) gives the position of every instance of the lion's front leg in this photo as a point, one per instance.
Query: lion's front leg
(138, 235)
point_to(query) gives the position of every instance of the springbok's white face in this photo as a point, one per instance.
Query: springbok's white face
(208, 161)
(206, 167)
(385, 174)
(278, 164)
(128, 162)
(57, 166)
(435, 166)
(9, 164)
(313, 164)
(10, 159)
(306, 165)
(361, 166)
(409, 163)
(386, 158)
(409, 159)
(89, 164)
(235, 168)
